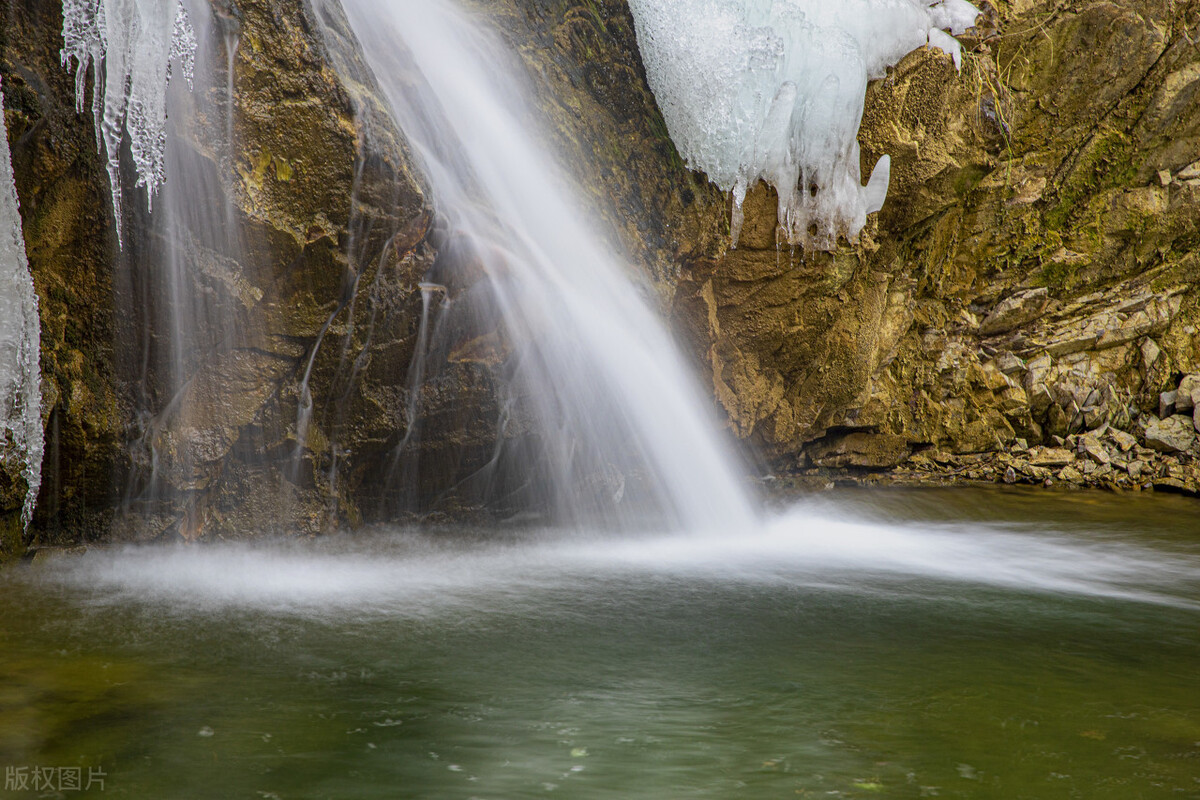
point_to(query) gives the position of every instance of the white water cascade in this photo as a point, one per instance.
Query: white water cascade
(615, 410)
(21, 435)
(188, 270)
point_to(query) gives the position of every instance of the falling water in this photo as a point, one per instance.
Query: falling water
(623, 438)
(226, 13)
(189, 277)
(406, 456)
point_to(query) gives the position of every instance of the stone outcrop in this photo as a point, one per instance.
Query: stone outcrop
(1032, 274)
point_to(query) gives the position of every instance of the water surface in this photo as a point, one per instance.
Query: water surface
(887, 644)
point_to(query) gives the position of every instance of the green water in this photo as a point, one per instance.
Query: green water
(396, 665)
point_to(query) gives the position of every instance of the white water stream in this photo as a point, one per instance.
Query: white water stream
(612, 400)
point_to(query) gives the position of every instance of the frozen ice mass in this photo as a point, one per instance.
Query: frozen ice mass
(136, 41)
(774, 90)
(20, 336)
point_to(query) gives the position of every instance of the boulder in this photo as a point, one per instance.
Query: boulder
(1187, 396)
(1150, 353)
(1089, 445)
(1050, 457)
(1123, 440)
(1174, 434)
(1166, 404)
(861, 450)
(1014, 311)
(1069, 474)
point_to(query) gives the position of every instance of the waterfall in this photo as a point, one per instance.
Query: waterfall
(191, 286)
(21, 435)
(622, 437)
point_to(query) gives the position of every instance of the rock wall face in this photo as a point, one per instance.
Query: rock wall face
(69, 242)
(333, 222)
(1031, 275)
(333, 225)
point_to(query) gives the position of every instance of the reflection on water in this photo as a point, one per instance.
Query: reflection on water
(895, 644)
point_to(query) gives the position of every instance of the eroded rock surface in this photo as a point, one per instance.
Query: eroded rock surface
(1032, 274)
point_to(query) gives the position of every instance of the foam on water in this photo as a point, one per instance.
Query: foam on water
(410, 574)
(774, 90)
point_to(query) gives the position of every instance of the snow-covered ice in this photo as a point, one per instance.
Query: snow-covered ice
(21, 438)
(136, 40)
(774, 90)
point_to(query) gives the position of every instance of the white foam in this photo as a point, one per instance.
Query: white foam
(409, 574)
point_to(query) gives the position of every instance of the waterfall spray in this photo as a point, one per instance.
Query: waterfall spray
(611, 401)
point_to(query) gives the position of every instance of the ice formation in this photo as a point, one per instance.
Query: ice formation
(774, 90)
(20, 337)
(136, 40)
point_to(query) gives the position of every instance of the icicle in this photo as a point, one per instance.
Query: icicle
(20, 335)
(774, 90)
(183, 47)
(83, 40)
(137, 40)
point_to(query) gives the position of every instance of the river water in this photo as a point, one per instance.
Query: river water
(982, 644)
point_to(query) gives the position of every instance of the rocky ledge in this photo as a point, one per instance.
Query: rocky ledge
(1160, 452)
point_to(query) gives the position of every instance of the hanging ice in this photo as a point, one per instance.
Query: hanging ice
(20, 337)
(137, 40)
(774, 90)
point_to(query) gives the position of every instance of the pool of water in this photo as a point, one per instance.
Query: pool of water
(982, 644)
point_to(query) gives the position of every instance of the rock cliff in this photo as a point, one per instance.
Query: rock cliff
(1031, 276)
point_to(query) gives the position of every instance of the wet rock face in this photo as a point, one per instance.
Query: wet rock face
(294, 426)
(337, 232)
(1032, 273)
(68, 233)
(314, 204)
